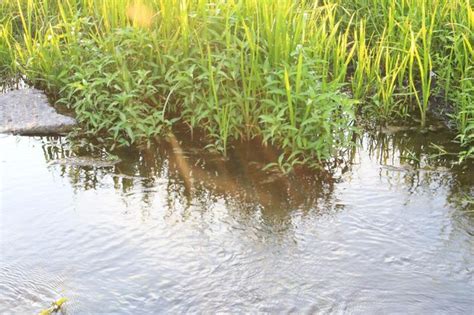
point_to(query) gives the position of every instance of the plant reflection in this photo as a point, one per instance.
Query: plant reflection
(191, 179)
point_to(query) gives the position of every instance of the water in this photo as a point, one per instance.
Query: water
(173, 230)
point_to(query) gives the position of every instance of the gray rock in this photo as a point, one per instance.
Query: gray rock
(27, 112)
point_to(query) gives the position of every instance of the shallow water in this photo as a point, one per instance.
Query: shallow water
(173, 230)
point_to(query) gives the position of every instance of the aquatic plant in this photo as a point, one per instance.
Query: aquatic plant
(292, 73)
(6, 58)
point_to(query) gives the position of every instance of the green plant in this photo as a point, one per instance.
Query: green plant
(282, 71)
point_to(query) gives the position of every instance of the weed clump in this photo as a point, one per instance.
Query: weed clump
(290, 73)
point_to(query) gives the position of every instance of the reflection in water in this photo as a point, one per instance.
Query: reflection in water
(194, 176)
(196, 179)
(415, 160)
(174, 229)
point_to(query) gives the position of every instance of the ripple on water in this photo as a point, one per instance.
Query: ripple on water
(32, 287)
(155, 235)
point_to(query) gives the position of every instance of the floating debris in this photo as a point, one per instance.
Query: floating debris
(54, 308)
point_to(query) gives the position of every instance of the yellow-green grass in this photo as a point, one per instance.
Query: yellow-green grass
(292, 73)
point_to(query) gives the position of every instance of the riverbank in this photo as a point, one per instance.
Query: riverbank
(295, 75)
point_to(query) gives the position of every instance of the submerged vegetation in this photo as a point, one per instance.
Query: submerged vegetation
(294, 74)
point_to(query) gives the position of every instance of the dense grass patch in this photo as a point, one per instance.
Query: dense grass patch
(292, 73)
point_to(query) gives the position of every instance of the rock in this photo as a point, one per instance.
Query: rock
(27, 112)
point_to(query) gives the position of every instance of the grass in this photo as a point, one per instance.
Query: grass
(291, 73)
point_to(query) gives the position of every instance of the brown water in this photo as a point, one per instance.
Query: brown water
(173, 230)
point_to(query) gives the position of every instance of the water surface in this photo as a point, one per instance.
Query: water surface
(173, 230)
